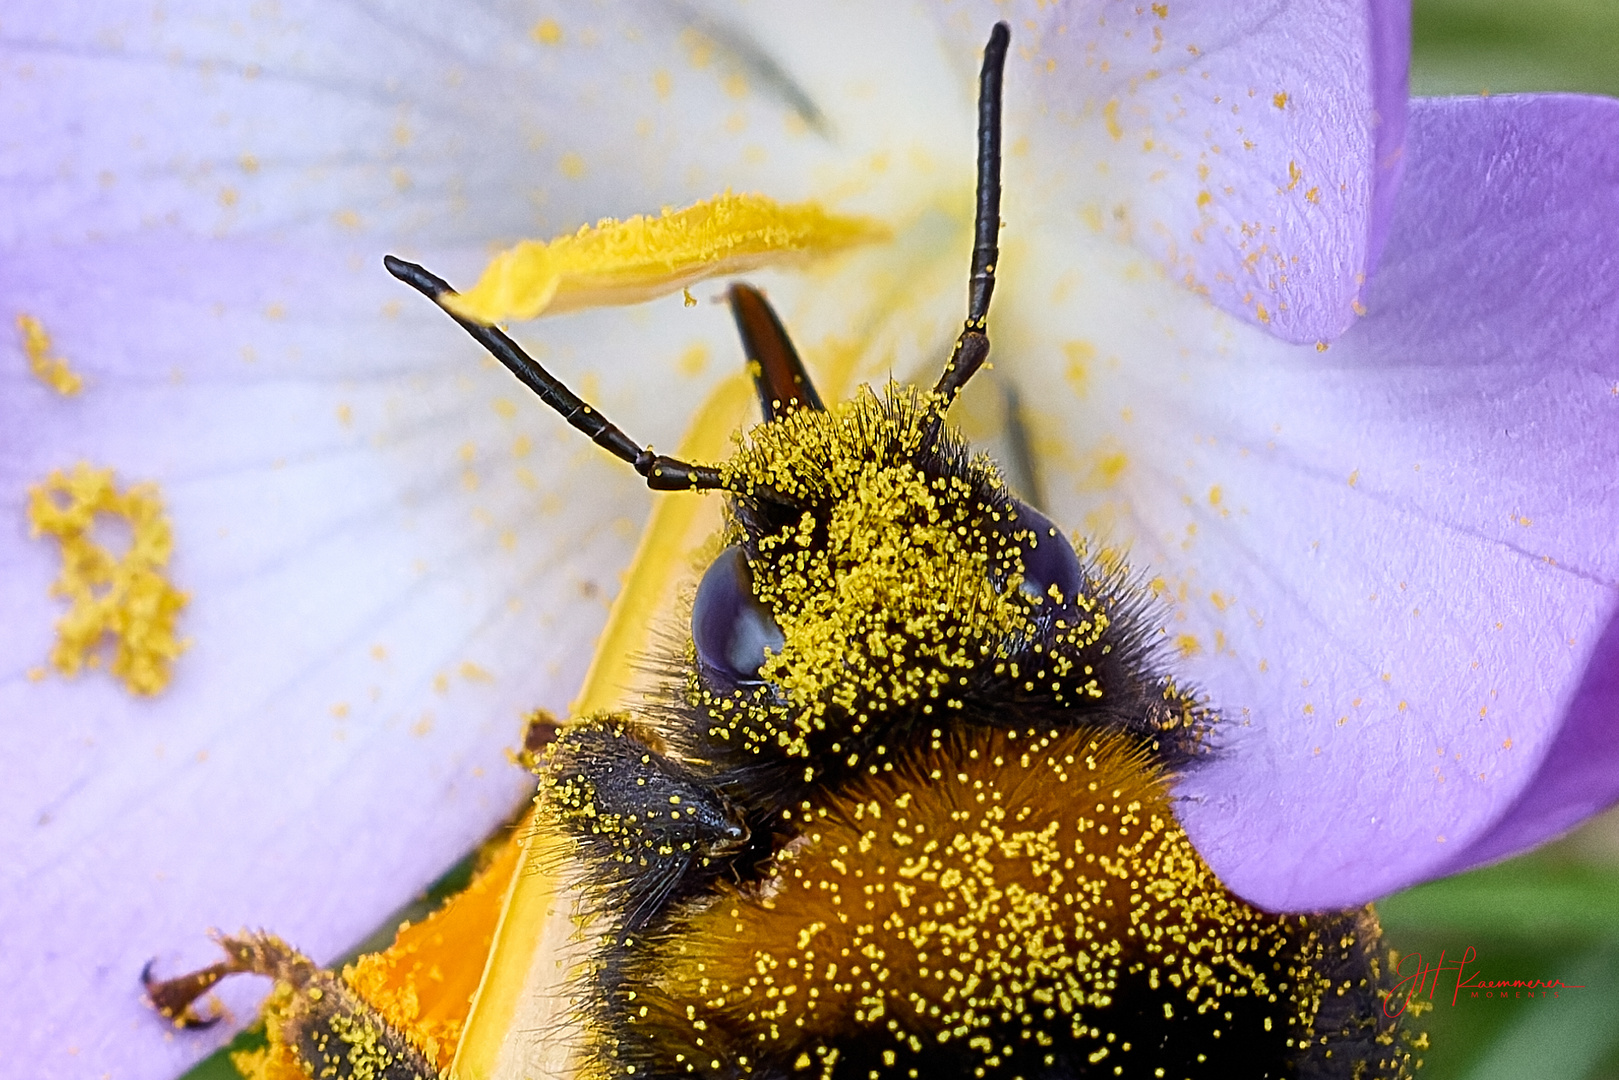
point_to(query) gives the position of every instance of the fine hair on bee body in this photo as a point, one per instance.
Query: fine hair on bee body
(905, 810)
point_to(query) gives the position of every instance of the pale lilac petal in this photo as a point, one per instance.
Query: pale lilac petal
(1391, 563)
(382, 579)
(384, 120)
(1254, 149)
(368, 629)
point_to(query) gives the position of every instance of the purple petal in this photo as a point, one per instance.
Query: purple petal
(1486, 379)
(1254, 150)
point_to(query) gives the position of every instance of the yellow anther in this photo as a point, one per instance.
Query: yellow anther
(626, 262)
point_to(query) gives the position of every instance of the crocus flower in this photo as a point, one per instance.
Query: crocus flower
(1339, 376)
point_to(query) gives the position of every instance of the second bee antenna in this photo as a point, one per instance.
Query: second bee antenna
(972, 347)
(662, 473)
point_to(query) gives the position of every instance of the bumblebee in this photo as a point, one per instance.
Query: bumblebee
(905, 808)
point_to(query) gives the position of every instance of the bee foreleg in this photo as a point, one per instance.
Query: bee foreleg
(651, 828)
(330, 1029)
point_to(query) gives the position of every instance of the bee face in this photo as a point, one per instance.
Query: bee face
(881, 582)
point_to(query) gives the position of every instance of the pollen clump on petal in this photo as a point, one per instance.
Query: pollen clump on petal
(127, 596)
(49, 369)
(626, 262)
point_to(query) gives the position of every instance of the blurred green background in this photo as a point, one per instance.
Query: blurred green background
(1497, 46)
(1554, 913)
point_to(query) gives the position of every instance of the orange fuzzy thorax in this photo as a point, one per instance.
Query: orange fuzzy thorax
(997, 881)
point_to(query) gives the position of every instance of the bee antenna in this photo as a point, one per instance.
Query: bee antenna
(662, 473)
(972, 347)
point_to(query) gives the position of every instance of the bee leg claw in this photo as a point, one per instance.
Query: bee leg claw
(329, 1029)
(246, 954)
(175, 999)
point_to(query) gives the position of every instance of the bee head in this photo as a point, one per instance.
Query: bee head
(878, 577)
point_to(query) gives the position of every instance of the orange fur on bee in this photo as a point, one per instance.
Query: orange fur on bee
(1009, 877)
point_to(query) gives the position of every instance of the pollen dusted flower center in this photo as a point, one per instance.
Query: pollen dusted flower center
(127, 598)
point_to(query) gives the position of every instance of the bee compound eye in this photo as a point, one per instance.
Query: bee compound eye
(729, 626)
(1048, 558)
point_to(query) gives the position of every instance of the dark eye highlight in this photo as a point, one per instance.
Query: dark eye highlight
(729, 626)
(1049, 559)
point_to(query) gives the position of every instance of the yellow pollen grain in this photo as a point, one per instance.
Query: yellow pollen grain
(1188, 645)
(1280, 100)
(1106, 467)
(1081, 355)
(125, 598)
(693, 360)
(48, 368)
(1110, 117)
(572, 165)
(627, 262)
(547, 32)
